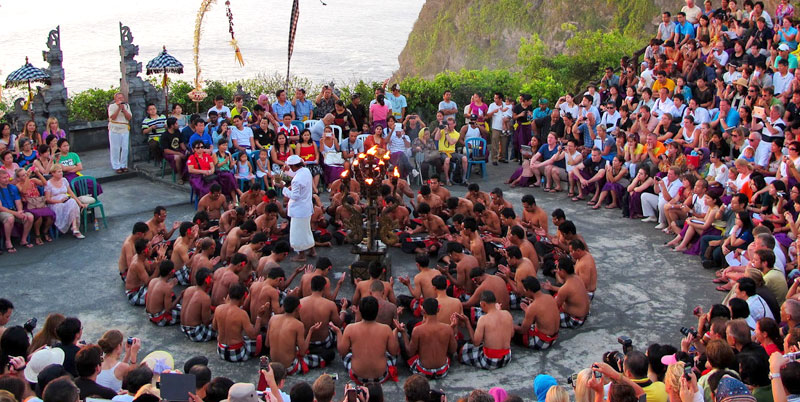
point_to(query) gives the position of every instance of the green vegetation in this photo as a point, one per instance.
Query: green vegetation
(91, 104)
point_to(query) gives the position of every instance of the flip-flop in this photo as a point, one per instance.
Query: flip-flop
(38, 241)
(719, 280)
(556, 190)
(576, 198)
(47, 238)
(26, 245)
(11, 250)
(724, 288)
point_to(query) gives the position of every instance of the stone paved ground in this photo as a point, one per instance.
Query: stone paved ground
(644, 291)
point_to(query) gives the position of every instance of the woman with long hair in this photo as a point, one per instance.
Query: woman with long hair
(308, 151)
(6, 138)
(114, 368)
(43, 217)
(64, 203)
(29, 131)
(279, 152)
(378, 112)
(47, 335)
(53, 129)
(769, 336)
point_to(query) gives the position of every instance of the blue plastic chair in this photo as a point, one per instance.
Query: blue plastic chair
(193, 198)
(475, 148)
(80, 186)
(299, 124)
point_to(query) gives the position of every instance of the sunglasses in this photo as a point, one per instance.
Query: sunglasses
(793, 149)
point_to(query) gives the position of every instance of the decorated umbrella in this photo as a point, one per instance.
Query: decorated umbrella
(164, 63)
(25, 75)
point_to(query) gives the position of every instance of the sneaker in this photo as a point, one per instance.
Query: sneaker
(649, 219)
(661, 226)
(415, 172)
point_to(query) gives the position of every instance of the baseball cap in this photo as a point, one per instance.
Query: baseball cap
(41, 359)
(543, 101)
(242, 392)
(783, 47)
(473, 116)
(294, 160)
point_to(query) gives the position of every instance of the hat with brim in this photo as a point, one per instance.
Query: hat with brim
(242, 392)
(669, 359)
(159, 361)
(41, 359)
(741, 81)
(784, 47)
(294, 160)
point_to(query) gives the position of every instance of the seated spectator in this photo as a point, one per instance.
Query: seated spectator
(63, 202)
(36, 204)
(12, 213)
(201, 169)
(72, 165)
(89, 362)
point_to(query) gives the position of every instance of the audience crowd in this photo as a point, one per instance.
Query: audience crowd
(700, 138)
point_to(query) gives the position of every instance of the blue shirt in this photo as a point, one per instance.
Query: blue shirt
(792, 44)
(685, 29)
(538, 113)
(205, 138)
(732, 120)
(282, 110)
(186, 133)
(547, 153)
(9, 196)
(302, 110)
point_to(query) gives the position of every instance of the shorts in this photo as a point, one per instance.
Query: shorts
(390, 374)
(200, 333)
(537, 340)
(239, 352)
(4, 216)
(165, 318)
(568, 321)
(136, 297)
(487, 359)
(182, 275)
(434, 374)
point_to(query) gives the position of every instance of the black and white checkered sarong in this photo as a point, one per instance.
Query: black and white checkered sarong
(475, 356)
(237, 353)
(568, 321)
(165, 318)
(136, 297)
(182, 275)
(200, 333)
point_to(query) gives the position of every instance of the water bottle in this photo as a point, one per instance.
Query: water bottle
(96, 224)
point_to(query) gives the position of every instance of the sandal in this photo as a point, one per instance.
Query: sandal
(78, 234)
(571, 194)
(47, 238)
(555, 190)
(11, 250)
(26, 245)
(577, 198)
(720, 280)
(724, 288)
(38, 241)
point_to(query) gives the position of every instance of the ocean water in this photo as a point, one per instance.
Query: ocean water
(343, 41)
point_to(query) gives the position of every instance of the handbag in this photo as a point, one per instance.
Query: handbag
(431, 155)
(210, 178)
(334, 159)
(36, 202)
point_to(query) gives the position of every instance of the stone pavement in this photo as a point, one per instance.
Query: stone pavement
(644, 291)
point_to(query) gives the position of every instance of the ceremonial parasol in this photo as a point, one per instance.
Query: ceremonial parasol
(25, 75)
(164, 63)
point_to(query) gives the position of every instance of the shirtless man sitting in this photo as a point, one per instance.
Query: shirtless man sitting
(399, 213)
(140, 229)
(362, 286)
(421, 288)
(498, 202)
(519, 268)
(162, 307)
(141, 271)
(534, 218)
(463, 286)
(231, 218)
(237, 338)
(572, 299)
(156, 225)
(491, 340)
(539, 329)
(387, 311)
(489, 220)
(474, 241)
(447, 305)
(343, 212)
(477, 196)
(485, 282)
(268, 222)
(253, 249)
(402, 189)
(436, 188)
(203, 257)
(288, 341)
(429, 223)
(181, 248)
(368, 348)
(196, 309)
(458, 205)
(213, 203)
(426, 196)
(516, 237)
(323, 268)
(267, 289)
(226, 277)
(279, 253)
(585, 266)
(432, 343)
(236, 237)
(317, 309)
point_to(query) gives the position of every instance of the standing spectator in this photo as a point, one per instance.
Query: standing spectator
(398, 102)
(358, 110)
(11, 212)
(325, 101)
(498, 141)
(523, 114)
(447, 106)
(119, 117)
(666, 28)
(303, 108)
(240, 110)
(378, 112)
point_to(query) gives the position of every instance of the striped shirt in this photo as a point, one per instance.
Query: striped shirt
(159, 124)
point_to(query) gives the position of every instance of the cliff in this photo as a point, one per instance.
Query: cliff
(473, 34)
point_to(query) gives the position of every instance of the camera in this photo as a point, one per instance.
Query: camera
(264, 363)
(130, 340)
(686, 331)
(436, 396)
(792, 356)
(442, 126)
(614, 359)
(30, 325)
(626, 342)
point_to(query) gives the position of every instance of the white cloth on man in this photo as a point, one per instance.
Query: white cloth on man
(300, 208)
(761, 154)
(654, 203)
(119, 131)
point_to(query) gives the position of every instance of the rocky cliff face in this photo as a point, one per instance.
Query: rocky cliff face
(473, 34)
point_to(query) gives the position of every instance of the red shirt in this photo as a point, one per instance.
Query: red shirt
(203, 162)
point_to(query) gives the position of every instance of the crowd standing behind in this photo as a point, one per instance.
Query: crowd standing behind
(700, 138)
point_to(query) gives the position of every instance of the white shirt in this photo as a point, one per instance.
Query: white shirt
(720, 174)
(242, 137)
(509, 112)
(472, 132)
(300, 198)
(565, 108)
(648, 78)
(784, 171)
(781, 82)
(692, 13)
(758, 308)
(721, 58)
(660, 107)
(610, 121)
(700, 115)
(762, 152)
(729, 77)
(497, 117)
(576, 155)
(225, 110)
(672, 188)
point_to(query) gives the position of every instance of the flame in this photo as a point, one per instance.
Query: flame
(361, 156)
(355, 162)
(344, 173)
(373, 150)
(396, 172)
(381, 163)
(369, 181)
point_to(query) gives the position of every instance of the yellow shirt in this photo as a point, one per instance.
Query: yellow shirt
(655, 392)
(445, 146)
(670, 85)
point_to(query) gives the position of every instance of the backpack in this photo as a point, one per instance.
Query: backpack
(456, 171)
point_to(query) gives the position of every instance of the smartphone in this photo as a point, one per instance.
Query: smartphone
(351, 393)
(264, 363)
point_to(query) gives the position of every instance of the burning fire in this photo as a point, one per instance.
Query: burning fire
(344, 174)
(373, 150)
(396, 172)
(369, 181)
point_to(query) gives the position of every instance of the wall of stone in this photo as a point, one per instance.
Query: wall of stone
(88, 136)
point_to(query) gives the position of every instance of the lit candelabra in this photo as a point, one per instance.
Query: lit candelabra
(369, 169)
